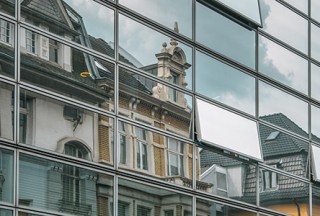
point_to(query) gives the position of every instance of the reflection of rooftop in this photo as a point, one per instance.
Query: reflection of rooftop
(288, 153)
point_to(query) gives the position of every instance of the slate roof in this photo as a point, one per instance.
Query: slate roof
(283, 144)
(290, 155)
(47, 8)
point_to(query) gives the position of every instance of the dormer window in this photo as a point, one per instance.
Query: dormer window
(53, 50)
(6, 32)
(270, 180)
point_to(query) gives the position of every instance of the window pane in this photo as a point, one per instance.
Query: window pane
(274, 102)
(149, 101)
(5, 212)
(49, 185)
(278, 152)
(6, 176)
(179, 11)
(8, 7)
(73, 73)
(315, 200)
(214, 126)
(315, 6)
(224, 83)
(85, 22)
(248, 8)
(281, 28)
(301, 5)
(282, 65)
(291, 196)
(153, 52)
(316, 162)
(315, 44)
(7, 51)
(6, 110)
(148, 200)
(154, 157)
(315, 82)
(72, 130)
(315, 125)
(226, 176)
(206, 207)
(225, 36)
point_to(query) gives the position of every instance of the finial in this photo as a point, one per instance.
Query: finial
(176, 28)
(173, 42)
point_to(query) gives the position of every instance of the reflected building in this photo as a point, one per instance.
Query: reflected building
(237, 180)
(67, 129)
(107, 109)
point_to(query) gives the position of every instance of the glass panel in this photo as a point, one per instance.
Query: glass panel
(225, 36)
(301, 5)
(6, 176)
(273, 102)
(65, 129)
(315, 7)
(165, 12)
(154, 157)
(224, 83)
(315, 81)
(214, 126)
(149, 101)
(315, 125)
(49, 185)
(248, 8)
(154, 53)
(282, 28)
(7, 52)
(316, 162)
(285, 194)
(5, 212)
(8, 7)
(85, 22)
(146, 200)
(283, 65)
(69, 72)
(315, 44)
(206, 207)
(315, 200)
(6, 110)
(226, 176)
(278, 152)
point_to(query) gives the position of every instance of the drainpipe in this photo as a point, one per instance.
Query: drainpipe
(298, 207)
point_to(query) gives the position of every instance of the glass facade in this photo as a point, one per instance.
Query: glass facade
(159, 108)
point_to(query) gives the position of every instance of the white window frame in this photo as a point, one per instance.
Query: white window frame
(31, 42)
(269, 179)
(141, 143)
(223, 171)
(6, 32)
(179, 154)
(122, 146)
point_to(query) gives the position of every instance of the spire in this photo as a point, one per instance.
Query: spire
(173, 42)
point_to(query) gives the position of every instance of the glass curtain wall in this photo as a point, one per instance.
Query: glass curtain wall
(159, 108)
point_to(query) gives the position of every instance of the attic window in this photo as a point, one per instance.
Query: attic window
(226, 130)
(273, 135)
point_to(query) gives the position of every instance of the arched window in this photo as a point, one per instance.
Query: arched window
(73, 185)
(76, 149)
